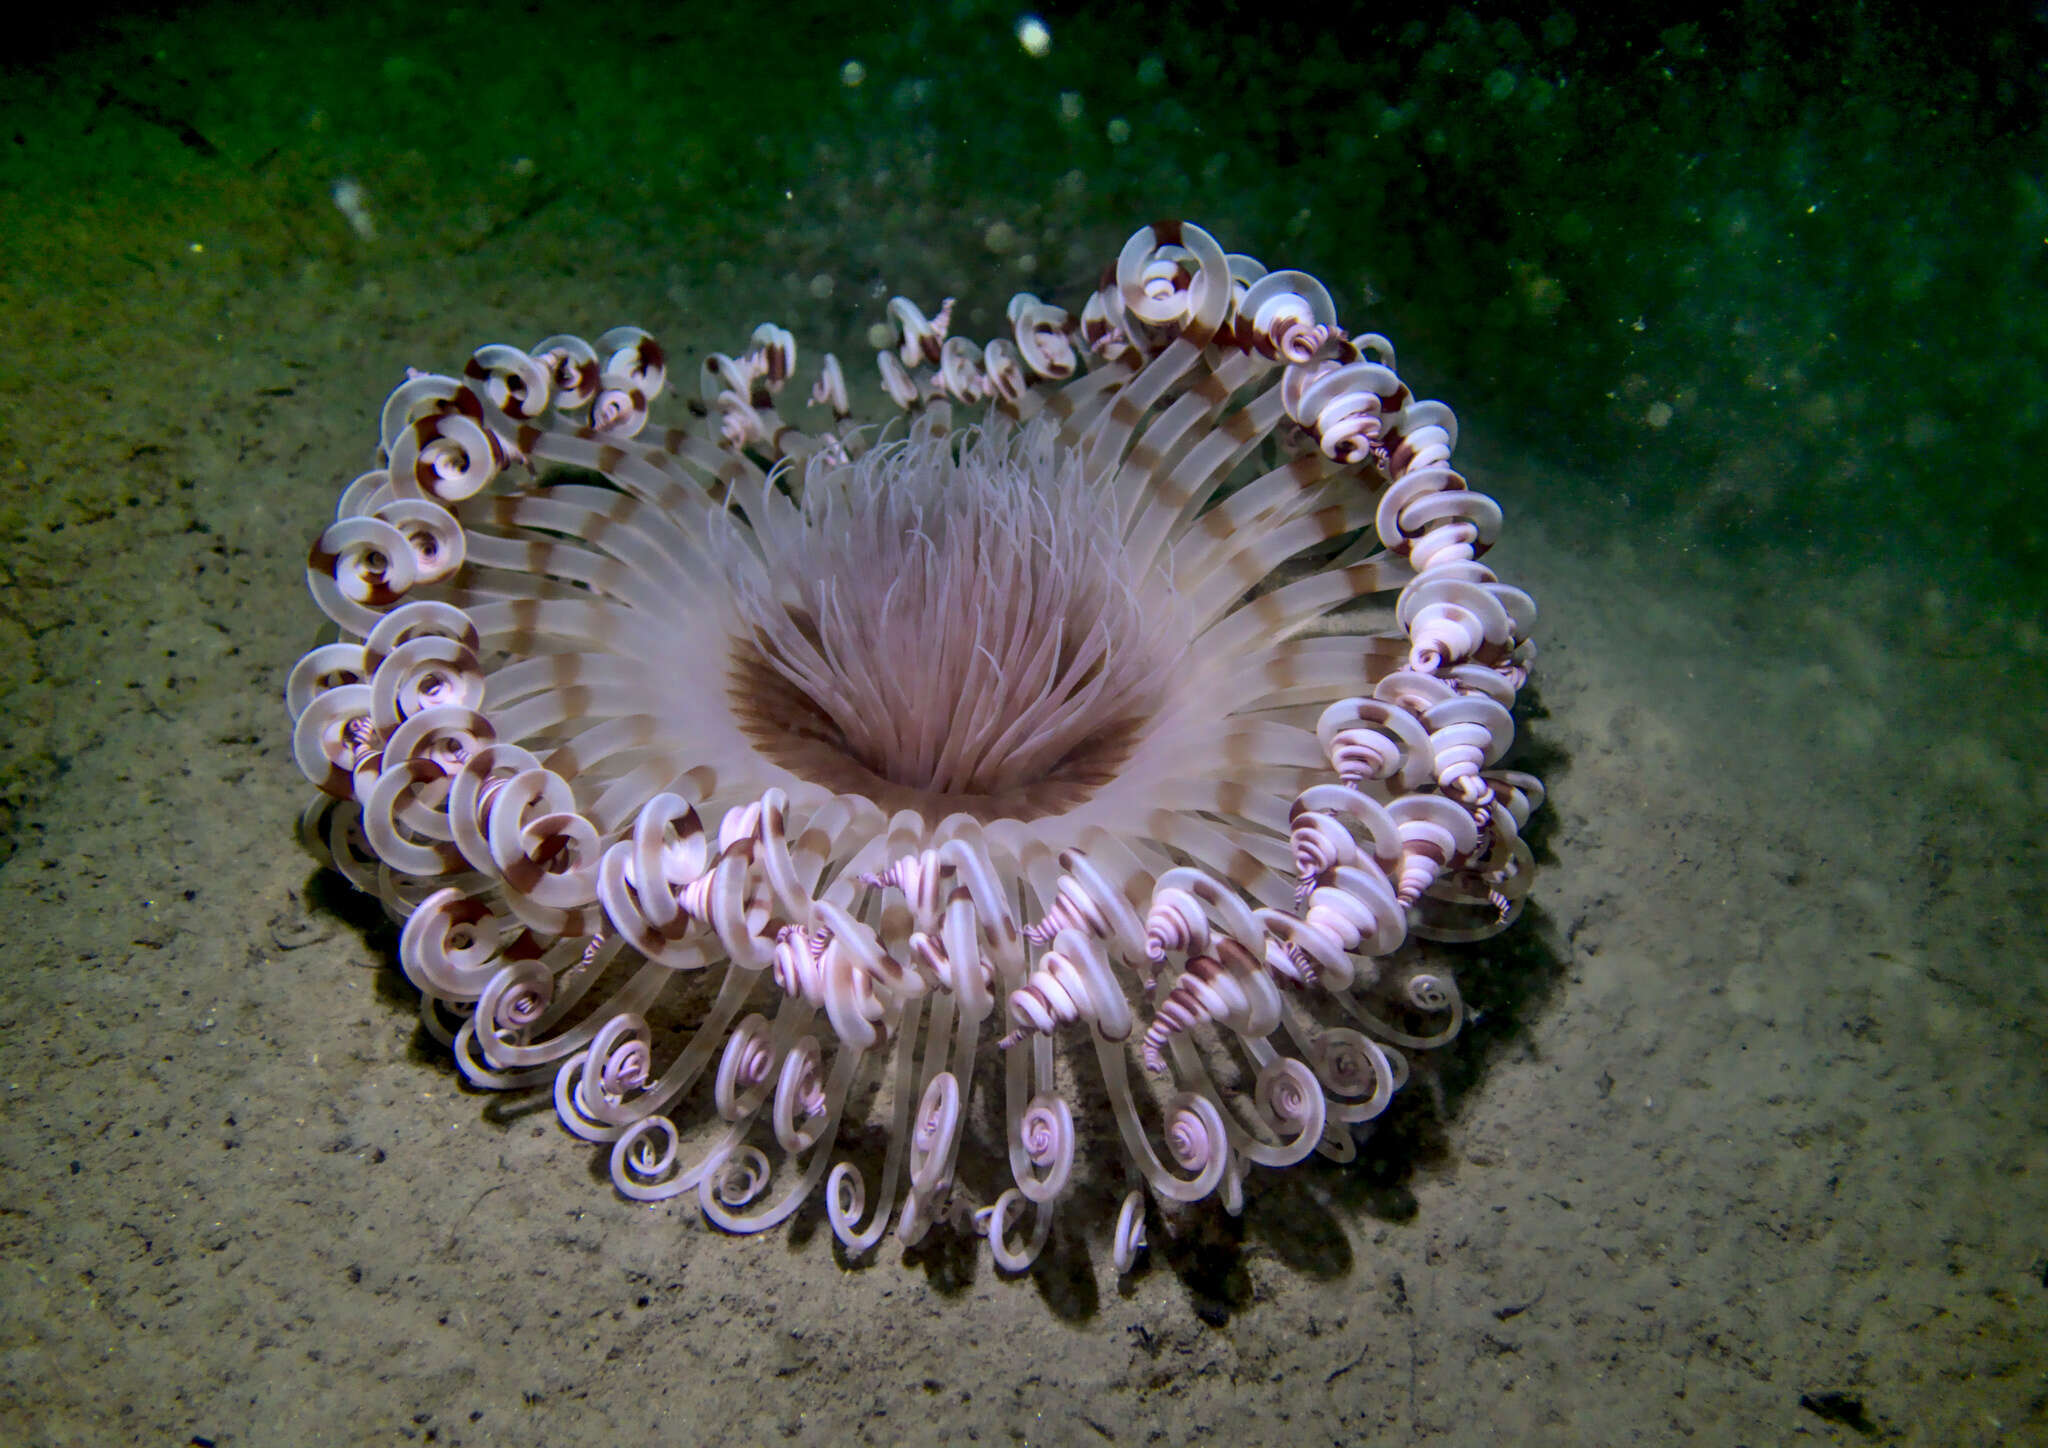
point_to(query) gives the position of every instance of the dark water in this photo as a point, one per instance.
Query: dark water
(1744, 322)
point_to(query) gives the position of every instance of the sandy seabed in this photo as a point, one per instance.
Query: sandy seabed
(1752, 1153)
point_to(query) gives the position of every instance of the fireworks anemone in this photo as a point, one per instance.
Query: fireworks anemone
(1126, 716)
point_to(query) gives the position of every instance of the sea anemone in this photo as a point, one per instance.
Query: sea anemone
(1123, 720)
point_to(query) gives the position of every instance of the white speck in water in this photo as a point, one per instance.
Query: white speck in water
(354, 204)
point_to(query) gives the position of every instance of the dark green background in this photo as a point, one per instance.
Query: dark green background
(1816, 235)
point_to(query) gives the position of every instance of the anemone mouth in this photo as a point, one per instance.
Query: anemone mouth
(949, 624)
(790, 729)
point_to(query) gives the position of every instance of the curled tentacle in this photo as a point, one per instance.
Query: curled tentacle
(1290, 1101)
(1045, 1140)
(1217, 900)
(1199, 1145)
(511, 1003)
(514, 383)
(445, 457)
(900, 386)
(1129, 1240)
(1434, 832)
(1175, 921)
(427, 673)
(935, 1137)
(336, 743)
(421, 395)
(619, 409)
(1228, 988)
(1005, 375)
(617, 1066)
(830, 388)
(636, 359)
(1450, 620)
(1467, 734)
(359, 567)
(1102, 325)
(835, 975)
(1428, 992)
(1087, 900)
(921, 878)
(450, 945)
(398, 817)
(1374, 739)
(799, 967)
(1356, 912)
(1044, 337)
(745, 1068)
(418, 619)
(434, 744)
(1072, 983)
(1174, 275)
(800, 1101)
(771, 356)
(1320, 845)
(993, 1222)
(1349, 1064)
(331, 666)
(1523, 794)
(1343, 407)
(633, 912)
(573, 370)
(643, 1160)
(960, 374)
(738, 1183)
(952, 961)
(436, 541)
(920, 338)
(540, 846)
(1291, 315)
(956, 905)
(667, 855)
(728, 385)
(859, 973)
